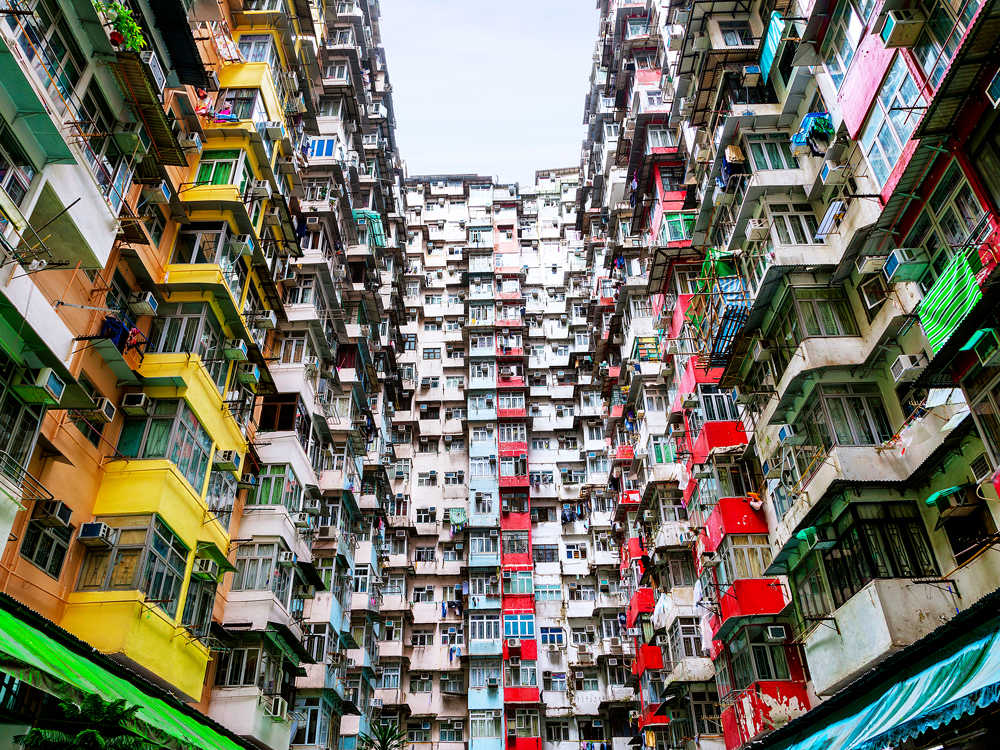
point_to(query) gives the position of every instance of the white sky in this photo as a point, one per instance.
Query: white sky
(494, 88)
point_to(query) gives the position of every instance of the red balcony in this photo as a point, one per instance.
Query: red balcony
(521, 695)
(513, 449)
(522, 743)
(647, 657)
(528, 649)
(717, 435)
(747, 597)
(628, 500)
(516, 294)
(646, 718)
(762, 707)
(623, 453)
(733, 515)
(631, 550)
(642, 601)
(519, 604)
(515, 481)
(514, 521)
(519, 413)
(510, 381)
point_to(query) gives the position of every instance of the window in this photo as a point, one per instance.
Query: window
(515, 542)
(658, 136)
(846, 415)
(146, 557)
(277, 485)
(484, 627)
(588, 680)
(451, 634)
(449, 553)
(418, 731)
(947, 222)
(228, 166)
(361, 576)
(897, 108)
(519, 626)
(249, 665)
(428, 479)
(519, 582)
(485, 724)
(873, 540)
(451, 731)
(426, 515)
(46, 546)
(526, 722)
(794, 224)
(422, 637)
(583, 635)
(685, 639)
(556, 731)
(390, 677)
(556, 681)
(542, 553)
(576, 551)
(521, 675)
(552, 636)
(171, 431)
(674, 228)
(770, 151)
(432, 353)
(736, 33)
(841, 40)
(743, 556)
(480, 543)
(454, 477)
(424, 554)
(582, 592)
(421, 683)
(942, 34)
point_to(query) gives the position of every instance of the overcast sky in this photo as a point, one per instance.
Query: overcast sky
(494, 88)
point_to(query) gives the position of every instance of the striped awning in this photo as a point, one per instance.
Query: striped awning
(952, 297)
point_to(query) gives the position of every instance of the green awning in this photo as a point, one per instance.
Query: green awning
(772, 40)
(50, 659)
(940, 693)
(209, 550)
(952, 297)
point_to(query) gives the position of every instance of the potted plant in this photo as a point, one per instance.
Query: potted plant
(125, 30)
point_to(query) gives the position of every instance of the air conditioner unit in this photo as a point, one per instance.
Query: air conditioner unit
(260, 189)
(301, 520)
(206, 569)
(867, 264)
(649, 515)
(249, 374)
(702, 43)
(703, 153)
(981, 468)
(286, 559)
(757, 230)
(158, 194)
(789, 435)
(96, 534)
(242, 244)
(401, 534)
(103, 411)
(905, 264)
(227, 461)
(135, 404)
(993, 91)
(513, 644)
(986, 345)
(492, 682)
(236, 350)
(907, 367)
(311, 505)
(902, 28)
(274, 130)
(277, 710)
(267, 319)
(751, 76)
(142, 303)
(53, 513)
(190, 141)
(834, 173)
(553, 647)
(515, 661)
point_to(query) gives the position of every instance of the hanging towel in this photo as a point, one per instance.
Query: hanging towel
(444, 609)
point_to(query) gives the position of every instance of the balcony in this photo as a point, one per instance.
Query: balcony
(760, 708)
(244, 711)
(486, 647)
(747, 598)
(140, 635)
(882, 618)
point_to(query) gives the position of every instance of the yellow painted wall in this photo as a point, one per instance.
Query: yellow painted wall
(116, 622)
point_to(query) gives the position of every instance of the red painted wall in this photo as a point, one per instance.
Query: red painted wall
(717, 435)
(857, 93)
(733, 515)
(751, 710)
(749, 596)
(641, 601)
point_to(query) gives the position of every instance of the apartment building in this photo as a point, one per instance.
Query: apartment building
(792, 214)
(203, 241)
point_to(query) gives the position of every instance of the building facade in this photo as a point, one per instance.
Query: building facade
(690, 445)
